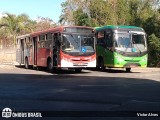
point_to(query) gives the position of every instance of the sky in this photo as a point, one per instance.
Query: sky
(33, 8)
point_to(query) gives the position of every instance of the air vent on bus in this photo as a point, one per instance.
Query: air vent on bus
(132, 60)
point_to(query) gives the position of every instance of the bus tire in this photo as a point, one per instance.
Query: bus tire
(78, 70)
(128, 69)
(49, 66)
(26, 63)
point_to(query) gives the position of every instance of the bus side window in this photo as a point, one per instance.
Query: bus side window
(109, 42)
(101, 38)
(53, 40)
(49, 40)
(42, 41)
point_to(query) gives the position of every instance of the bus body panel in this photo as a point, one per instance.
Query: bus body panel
(77, 61)
(123, 61)
(42, 55)
(27, 54)
(113, 59)
(106, 54)
(18, 56)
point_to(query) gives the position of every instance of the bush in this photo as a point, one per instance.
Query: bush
(154, 51)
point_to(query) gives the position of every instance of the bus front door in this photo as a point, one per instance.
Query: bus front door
(56, 51)
(22, 51)
(35, 50)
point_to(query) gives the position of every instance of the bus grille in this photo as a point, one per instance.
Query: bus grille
(132, 60)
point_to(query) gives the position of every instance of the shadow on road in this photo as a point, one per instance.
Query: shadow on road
(110, 70)
(77, 92)
(56, 71)
(71, 71)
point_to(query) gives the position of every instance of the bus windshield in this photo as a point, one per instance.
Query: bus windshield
(77, 43)
(134, 42)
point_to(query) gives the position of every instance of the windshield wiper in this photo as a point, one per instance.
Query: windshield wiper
(136, 44)
(127, 46)
(74, 40)
(138, 48)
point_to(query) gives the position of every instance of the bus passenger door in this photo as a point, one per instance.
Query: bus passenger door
(56, 50)
(18, 52)
(22, 51)
(34, 50)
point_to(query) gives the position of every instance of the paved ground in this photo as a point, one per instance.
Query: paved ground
(112, 90)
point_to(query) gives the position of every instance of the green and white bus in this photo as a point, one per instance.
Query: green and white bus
(121, 47)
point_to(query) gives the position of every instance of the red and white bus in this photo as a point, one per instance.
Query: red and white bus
(61, 47)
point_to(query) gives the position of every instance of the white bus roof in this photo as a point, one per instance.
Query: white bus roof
(23, 36)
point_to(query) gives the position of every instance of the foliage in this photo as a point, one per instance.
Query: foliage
(81, 18)
(154, 51)
(96, 12)
(11, 26)
(43, 23)
(15, 25)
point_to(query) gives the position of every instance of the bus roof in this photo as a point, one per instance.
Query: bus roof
(23, 36)
(118, 27)
(57, 29)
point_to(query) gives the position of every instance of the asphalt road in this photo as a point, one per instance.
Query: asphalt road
(112, 90)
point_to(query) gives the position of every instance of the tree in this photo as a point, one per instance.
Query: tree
(95, 12)
(67, 12)
(43, 23)
(81, 18)
(15, 25)
(154, 51)
(3, 39)
(122, 12)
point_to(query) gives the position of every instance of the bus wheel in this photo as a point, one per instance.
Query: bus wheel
(101, 65)
(49, 66)
(78, 70)
(128, 69)
(26, 63)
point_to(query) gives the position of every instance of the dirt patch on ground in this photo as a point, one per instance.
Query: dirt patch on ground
(7, 66)
(7, 56)
(148, 69)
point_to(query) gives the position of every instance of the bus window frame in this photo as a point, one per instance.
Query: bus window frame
(48, 42)
(42, 41)
(109, 42)
(88, 34)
